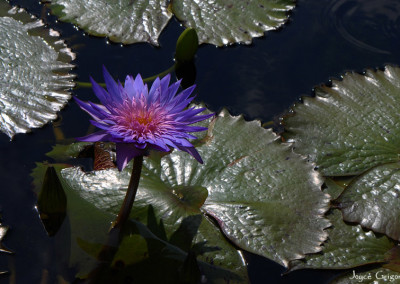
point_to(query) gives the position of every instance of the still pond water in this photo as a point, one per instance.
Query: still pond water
(322, 39)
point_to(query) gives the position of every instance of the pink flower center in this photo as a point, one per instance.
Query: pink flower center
(136, 121)
(143, 119)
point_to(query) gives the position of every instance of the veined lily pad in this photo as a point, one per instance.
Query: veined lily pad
(372, 200)
(348, 246)
(265, 198)
(216, 22)
(352, 128)
(225, 22)
(34, 65)
(123, 21)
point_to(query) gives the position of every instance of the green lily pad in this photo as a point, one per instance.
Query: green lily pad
(351, 126)
(216, 22)
(123, 21)
(225, 22)
(265, 198)
(34, 64)
(372, 200)
(348, 246)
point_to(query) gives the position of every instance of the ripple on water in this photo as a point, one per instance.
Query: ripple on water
(368, 24)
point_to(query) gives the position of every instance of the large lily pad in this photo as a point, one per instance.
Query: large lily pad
(348, 246)
(372, 200)
(123, 21)
(217, 22)
(34, 65)
(351, 126)
(224, 22)
(265, 198)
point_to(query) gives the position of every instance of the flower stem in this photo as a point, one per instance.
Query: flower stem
(110, 248)
(130, 193)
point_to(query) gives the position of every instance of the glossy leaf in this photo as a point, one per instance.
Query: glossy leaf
(216, 22)
(226, 22)
(372, 200)
(245, 174)
(351, 126)
(123, 21)
(348, 246)
(34, 66)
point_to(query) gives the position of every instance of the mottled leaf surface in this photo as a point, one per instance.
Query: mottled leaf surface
(347, 246)
(243, 184)
(225, 22)
(372, 200)
(351, 126)
(122, 21)
(34, 65)
(216, 22)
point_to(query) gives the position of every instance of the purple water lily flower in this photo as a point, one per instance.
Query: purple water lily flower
(138, 120)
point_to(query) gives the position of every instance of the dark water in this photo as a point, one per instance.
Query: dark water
(323, 39)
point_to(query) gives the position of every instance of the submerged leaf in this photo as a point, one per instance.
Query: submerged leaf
(150, 259)
(245, 173)
(34, 65)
